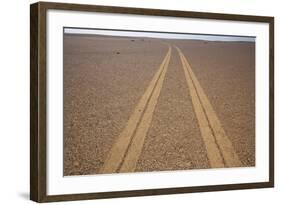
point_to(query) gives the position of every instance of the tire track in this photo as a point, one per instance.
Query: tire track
(125, 152)
(219, 148)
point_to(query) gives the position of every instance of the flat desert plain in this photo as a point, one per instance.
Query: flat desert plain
(144, 104)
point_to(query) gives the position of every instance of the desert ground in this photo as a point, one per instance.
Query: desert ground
(143, 104)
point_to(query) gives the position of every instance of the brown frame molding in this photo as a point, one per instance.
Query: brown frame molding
(38, 101)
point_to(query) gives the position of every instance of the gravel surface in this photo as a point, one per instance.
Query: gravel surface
(105, 77)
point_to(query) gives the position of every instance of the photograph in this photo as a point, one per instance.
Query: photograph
(129, 101)
(146, 101)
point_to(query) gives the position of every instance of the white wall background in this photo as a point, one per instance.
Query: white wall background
(14, 101)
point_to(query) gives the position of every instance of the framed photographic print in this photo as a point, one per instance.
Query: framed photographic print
(133, 102)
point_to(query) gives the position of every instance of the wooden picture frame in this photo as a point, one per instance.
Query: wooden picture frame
(38, 101)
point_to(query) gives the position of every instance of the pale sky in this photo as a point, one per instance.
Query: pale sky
(159, 35)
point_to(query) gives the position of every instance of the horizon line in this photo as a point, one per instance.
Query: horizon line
(158, 35)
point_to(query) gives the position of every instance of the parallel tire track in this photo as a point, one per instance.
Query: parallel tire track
(219, 148)
(125, 152)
